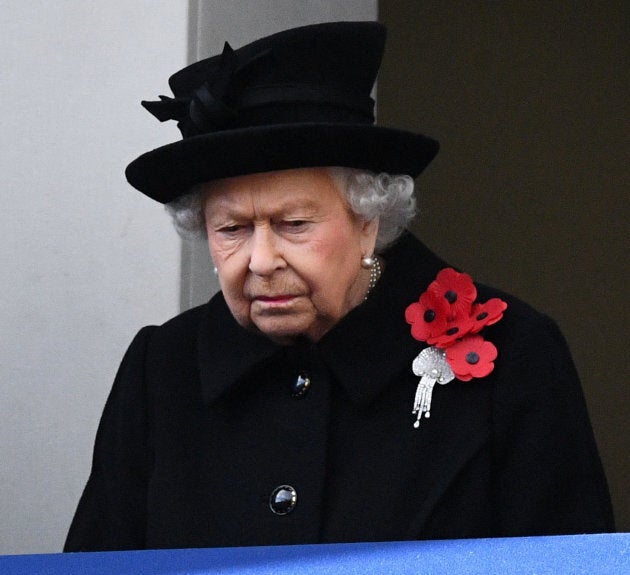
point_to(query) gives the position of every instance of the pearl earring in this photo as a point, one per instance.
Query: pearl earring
(367, 262)
(215, 271)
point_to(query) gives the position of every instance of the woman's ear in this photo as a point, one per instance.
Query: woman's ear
(369, 232)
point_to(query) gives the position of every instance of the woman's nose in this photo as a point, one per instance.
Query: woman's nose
(265, 258)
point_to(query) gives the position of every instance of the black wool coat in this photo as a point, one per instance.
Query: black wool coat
(202, 424)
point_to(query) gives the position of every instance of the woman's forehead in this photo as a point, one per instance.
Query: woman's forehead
(309, 188)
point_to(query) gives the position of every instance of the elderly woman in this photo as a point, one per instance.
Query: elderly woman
(346, 384)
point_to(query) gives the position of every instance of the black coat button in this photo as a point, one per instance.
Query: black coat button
(301, 385)
(283, 500)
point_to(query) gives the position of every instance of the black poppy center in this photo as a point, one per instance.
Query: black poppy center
(429, 315)
(472, 357)
(451, 296)
(452, 331)
(482, 315)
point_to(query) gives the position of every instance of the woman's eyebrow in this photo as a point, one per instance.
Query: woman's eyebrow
(232, 210)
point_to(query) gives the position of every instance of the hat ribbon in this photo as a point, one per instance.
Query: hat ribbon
(206, 110)
(216, 103)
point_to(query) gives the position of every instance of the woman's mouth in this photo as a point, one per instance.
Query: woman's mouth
(275, 299)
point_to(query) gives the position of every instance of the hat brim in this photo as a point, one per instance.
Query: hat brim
(170, 171)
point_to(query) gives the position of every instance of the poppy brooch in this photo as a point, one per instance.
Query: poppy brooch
(448, 318)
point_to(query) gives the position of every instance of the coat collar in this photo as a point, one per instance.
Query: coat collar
(365, 351)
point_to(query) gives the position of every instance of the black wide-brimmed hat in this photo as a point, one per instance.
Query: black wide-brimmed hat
(296, 99)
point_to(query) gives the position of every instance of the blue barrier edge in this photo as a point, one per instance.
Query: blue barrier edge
(575, 554)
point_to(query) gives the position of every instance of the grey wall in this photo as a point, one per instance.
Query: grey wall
(85, 260)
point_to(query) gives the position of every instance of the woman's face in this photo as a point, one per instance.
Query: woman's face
(288, 251)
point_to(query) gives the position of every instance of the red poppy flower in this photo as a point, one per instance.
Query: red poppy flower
(471, 357)
(427, 316)
(457, 289)
(484, 314)
(455, 329)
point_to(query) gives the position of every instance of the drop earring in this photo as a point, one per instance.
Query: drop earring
(371, 263)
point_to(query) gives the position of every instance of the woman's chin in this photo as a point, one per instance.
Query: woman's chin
(285, 330)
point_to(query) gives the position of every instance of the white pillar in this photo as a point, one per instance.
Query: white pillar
(86, 260)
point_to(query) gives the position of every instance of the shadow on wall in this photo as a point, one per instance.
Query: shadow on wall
(527, 193)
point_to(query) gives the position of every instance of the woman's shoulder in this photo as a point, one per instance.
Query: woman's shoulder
(418, 265)
(521, 322)
(186, 324)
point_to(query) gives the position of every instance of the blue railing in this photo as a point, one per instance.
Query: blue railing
(589, 554)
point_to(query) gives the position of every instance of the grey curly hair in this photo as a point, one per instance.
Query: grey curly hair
(389, 198)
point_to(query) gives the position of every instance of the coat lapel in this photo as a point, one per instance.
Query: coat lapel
(226, 352)
(372, 345)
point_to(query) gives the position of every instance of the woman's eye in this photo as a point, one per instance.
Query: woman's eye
(230, 230)
(295, 224)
